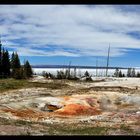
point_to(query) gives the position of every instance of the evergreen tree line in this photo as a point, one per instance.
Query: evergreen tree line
(61, 75)
(67, 75)
(130, 73)
(11, 67)
(118, 73)
(72, 76)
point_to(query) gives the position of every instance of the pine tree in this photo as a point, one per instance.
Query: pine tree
(133, 73)
(15, 66)
(2, 62)
(86, 74)
(67, 74)
(138, 74)
(129, 74)
(17, 61)
(51, 76)
(6, 63)
(59, 75)
(116, 74)
(120, 74)
(27, 69)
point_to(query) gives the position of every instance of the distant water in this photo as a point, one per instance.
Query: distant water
(100, 72)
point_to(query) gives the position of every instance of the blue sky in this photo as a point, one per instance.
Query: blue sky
(57, 34)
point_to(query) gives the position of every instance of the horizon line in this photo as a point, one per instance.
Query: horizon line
(77, 66)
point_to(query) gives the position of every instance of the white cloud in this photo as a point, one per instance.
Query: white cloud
(86, 29)
(33, 52)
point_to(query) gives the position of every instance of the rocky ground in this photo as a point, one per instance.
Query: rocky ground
(110, 107)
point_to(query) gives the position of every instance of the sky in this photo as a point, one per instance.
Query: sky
(58, 34)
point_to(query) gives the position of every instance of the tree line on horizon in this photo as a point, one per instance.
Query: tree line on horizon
(10, 67)
(67, 74)
(130, 73)
(61, 74)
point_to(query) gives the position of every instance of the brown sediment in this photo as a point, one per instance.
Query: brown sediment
(26, 113)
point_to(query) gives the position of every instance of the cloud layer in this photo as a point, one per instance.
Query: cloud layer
(70, 30)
